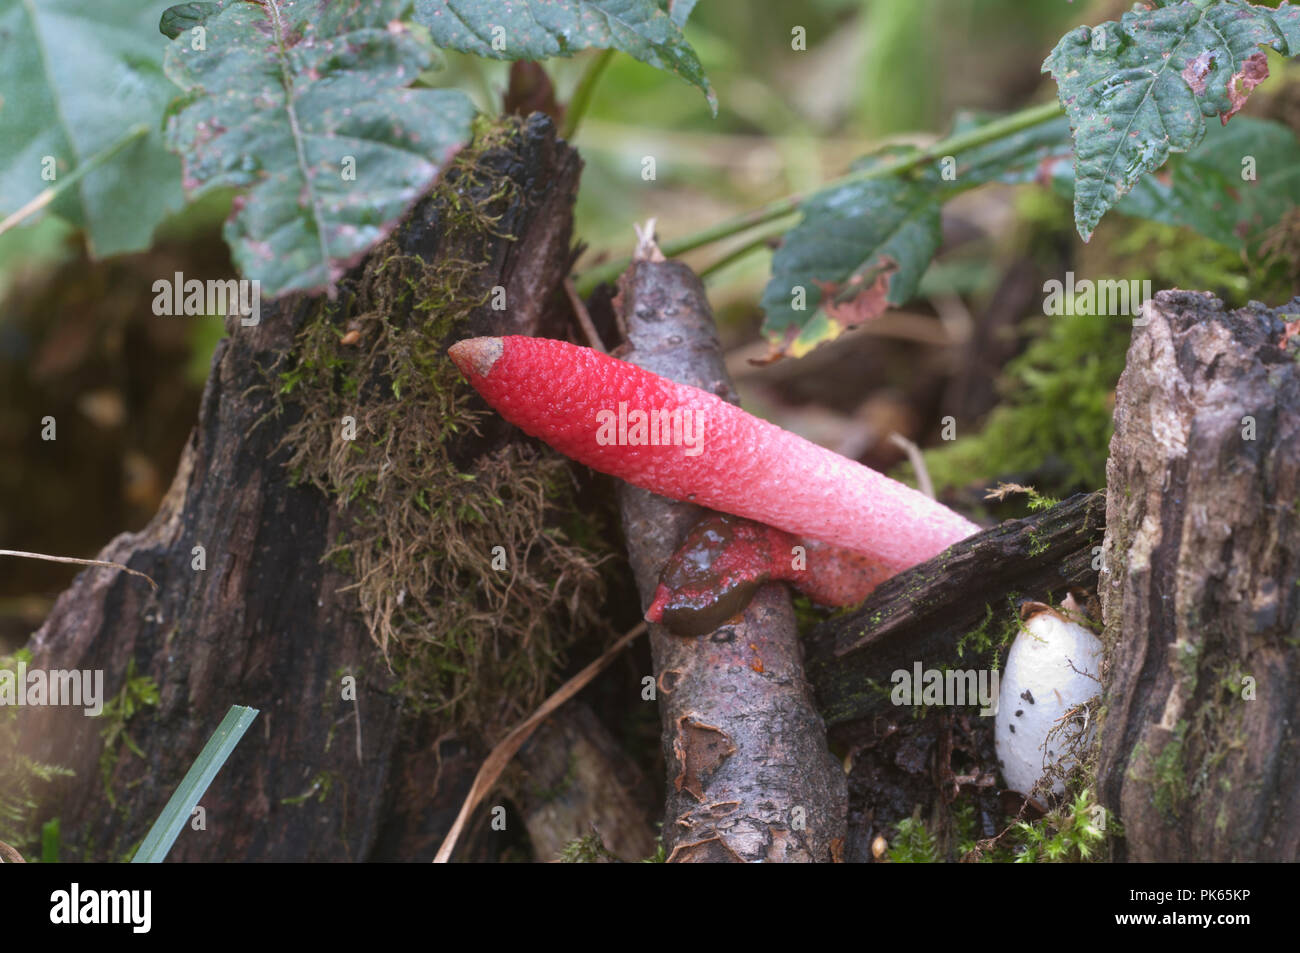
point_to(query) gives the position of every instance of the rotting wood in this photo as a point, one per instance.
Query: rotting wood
(926, 613)
(265, 624)
(1201, 587)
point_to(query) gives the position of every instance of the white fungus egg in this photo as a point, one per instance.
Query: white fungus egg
(1054, 666)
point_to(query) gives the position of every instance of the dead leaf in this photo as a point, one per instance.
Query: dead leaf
(1253, 72)
(1197, 69)
(863, 297)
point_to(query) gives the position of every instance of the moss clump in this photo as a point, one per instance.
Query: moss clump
(1075, 831)
(137, 692)
(474, 563)
(1170, 786)
(913, 843)
(1070, 834)
(1054, 423)
(588, 849)
(995, 633)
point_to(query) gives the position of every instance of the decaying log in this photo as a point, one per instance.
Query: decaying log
(1201, 587)
(572, 779)
(749, 774)
(265, 624)
(923, 615)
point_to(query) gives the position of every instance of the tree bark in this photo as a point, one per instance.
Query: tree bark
(749, 774)
(572, 779)
(316, 778)
(1199, 753)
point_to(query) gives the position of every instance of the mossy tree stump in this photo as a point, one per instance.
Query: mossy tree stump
(1201, 587)
(270, 621)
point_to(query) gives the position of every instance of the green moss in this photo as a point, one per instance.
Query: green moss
(994, 633)
(319, 788)
(1070, 834)
(1074, 830)
(589, 849)
(1056, 408)
(424, 532)
(1180, 258)
(137, 693)
(913, 843)
(1187, 655)
(1170, 791)
(1054, 421)
(22, 779)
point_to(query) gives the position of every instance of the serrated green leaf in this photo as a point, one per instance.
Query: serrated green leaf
(537, 29)
(1142, 88)
(287, 100)
(1234, 186)
(76, 80)
(679, 10)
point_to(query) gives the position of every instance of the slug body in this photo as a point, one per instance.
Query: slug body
(687, 444)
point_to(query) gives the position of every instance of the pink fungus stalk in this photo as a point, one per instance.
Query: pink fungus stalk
(687, 444)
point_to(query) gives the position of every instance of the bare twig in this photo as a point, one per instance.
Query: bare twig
(917, 460)
(77, 562)
(647, 248)
(584, 318)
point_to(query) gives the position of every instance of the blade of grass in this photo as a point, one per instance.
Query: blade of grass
(167, 828)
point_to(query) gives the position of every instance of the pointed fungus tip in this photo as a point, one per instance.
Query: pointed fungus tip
(476, 355)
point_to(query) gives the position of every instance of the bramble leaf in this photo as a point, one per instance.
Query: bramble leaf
(537, 29)
(1232, 188)
(862, 247)
(1142, 88)
(303, 107)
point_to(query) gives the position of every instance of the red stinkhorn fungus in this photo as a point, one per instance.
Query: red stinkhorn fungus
(687, 444)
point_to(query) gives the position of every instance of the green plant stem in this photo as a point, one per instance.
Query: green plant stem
(582, 95)
(755, 242)
(962, 142)
(46, 196)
